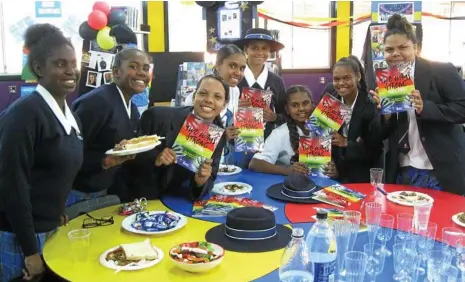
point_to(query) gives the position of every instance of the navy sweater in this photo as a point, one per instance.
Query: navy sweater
(38, 164)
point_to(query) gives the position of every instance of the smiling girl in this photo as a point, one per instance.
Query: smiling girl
(108, 116)
(157, 171)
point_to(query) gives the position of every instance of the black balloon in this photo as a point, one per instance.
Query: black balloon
(115, 17)
(256, 3)
(208, 4)
(86, 32)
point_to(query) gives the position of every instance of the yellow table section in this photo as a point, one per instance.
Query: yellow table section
(237, 267)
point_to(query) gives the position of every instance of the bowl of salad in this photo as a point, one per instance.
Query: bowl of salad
(196, 256)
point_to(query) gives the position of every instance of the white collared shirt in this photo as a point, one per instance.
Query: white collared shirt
(126, 105)
(278, 149)
(417, 156)
(66, 119)
(261, 79)
(348, 116)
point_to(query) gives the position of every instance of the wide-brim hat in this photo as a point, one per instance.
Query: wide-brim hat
(250, 230)
(296, 188)
(260, 34)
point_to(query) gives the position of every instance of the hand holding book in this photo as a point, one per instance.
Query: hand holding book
(417, 101)
(269, 115)
(330, 170)
(166, 157)
(338, 140)
(232, 133)
(204, 172)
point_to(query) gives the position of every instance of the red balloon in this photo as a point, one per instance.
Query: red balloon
(102, 6)
(97, 20)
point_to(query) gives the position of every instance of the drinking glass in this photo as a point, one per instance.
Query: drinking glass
(376, 177)
(460, 248)
(424, 240)
(404, 224)
(353, 217)
(79, 240)
(450, 236)
(373, 216)
(355, 266)
(375, 263)
(437, 262)
(342, 233)
(421, 213)
(403, 259)
(384, 233)
(449, 274)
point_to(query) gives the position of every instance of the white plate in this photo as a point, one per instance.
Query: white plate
(393, 197)
(132, 151)
(238, 170)
(127, 224)
(219, 189)
(147, 264)
(455, 219)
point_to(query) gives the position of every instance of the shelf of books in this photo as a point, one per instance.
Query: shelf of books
(189, 74)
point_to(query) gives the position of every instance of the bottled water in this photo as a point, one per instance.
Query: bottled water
(321, 243)
(294, 261)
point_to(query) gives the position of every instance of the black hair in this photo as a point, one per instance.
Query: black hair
(40, 40)
(224, 53)
(291, 125)
(217, 120)
(124, 55)
(356, 66)
(398, 24)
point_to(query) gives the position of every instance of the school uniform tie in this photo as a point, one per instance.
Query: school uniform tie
(403, 145)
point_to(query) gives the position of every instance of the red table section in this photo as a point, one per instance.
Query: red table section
(444, 207)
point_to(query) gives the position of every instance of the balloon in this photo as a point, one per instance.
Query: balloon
(86, 32)
(116, 16)
(97, 20)
(104, 40)
(102, 6)
(256, 3)
(207, 4)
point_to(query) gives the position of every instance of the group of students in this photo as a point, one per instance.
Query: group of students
(53, 156)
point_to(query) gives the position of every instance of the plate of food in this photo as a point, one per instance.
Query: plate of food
(135, 146)
(154, 222)
(407, 198)
(231, 188)
(133, 256)
(197, 256)
(228, 169)
(459, 219)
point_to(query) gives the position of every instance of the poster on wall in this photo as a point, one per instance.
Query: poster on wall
(48, 9)
(382, 10)
(229, 24)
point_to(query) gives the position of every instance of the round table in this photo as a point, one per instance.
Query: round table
(236, 266)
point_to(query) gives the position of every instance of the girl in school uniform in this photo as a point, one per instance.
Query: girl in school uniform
(258, 44)
(280, 154)
(426, 144)
(40, 155)
(230, 65)
(357, 146)
(157, 171)
(108, 116)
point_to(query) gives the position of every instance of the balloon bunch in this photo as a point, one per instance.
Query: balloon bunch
(99, 24)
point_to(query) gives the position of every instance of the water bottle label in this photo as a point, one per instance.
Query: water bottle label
(324, 271)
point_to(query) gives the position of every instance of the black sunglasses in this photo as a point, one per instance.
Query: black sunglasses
(95, 222)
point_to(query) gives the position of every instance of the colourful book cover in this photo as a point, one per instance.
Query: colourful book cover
(338, 190)
(394, 86)
(315, 153)
(363, 227)
(197, 207)
(196, 142)
(333, 213)
(250, 123)
(328, 116)
(257, 97)
(220, 205)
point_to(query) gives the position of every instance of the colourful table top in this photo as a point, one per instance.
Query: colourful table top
(58, 257)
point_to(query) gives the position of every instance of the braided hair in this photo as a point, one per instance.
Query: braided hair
(356, 66)
(217, 119)
(292, 125)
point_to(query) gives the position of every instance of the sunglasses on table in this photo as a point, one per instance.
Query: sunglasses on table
(92, 222)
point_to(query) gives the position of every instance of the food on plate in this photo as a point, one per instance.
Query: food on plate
(461, 217)
(135, 143)
(233, 187)
(227, 169)
(411, 197)
(155, 222)
(132, 253)
(196, 252)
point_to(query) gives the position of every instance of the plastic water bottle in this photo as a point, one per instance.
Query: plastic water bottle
(321, 243)
(294, 261)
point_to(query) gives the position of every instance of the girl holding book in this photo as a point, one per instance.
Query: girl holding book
(357, 146)
(280, 154)
(427, 143)
(156, 171)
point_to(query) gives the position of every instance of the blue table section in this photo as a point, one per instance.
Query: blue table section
(260, 183)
